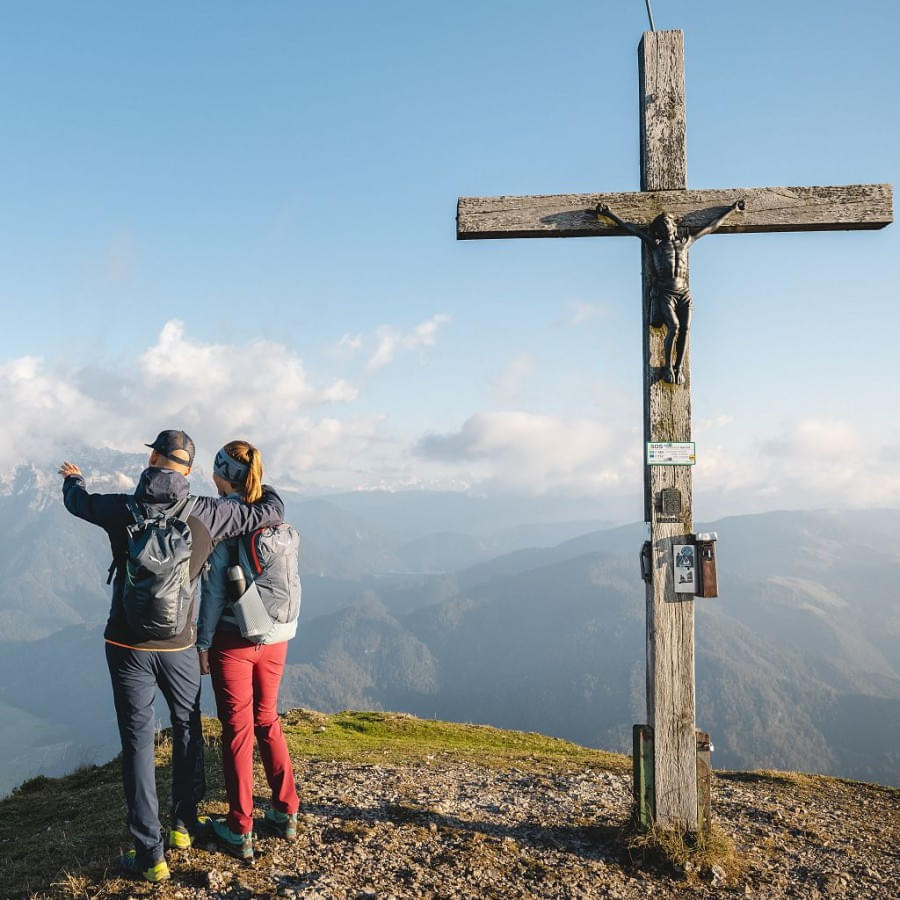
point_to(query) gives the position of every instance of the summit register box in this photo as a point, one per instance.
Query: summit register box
(706, 564)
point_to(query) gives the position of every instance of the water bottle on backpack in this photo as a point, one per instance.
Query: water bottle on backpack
(269, 606)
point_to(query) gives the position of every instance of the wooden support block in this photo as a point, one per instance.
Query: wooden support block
(642, 765)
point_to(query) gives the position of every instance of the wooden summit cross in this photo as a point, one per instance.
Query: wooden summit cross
(670, 616)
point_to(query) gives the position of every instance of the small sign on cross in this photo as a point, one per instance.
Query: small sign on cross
(671, 453)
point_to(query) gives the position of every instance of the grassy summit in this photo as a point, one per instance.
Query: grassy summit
(378, 736)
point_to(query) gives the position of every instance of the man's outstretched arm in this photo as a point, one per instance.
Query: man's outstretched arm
(98, 509)
(226, 518)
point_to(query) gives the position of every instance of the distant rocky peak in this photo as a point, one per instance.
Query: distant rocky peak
(103, 468)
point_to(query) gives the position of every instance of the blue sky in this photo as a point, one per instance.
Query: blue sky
(239, 219)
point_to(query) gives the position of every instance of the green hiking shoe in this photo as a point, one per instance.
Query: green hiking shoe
(156, 873)
(284, 824)
(238, 845)
(182, 839)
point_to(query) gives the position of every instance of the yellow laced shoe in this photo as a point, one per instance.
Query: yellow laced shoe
(156, 873)
(181, 839)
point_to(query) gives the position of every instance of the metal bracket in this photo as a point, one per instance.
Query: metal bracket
(646, 558)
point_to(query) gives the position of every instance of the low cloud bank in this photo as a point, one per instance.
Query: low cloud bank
(320, 433)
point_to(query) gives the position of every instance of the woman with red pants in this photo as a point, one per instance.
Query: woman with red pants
(246, 674)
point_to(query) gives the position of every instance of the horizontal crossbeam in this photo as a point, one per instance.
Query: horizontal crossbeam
(850, 207)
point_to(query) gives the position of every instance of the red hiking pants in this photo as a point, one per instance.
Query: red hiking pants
(245, 677)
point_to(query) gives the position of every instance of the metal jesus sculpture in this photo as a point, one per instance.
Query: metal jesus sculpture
(671, 303)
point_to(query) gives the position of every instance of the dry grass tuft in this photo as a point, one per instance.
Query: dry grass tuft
(711, 857)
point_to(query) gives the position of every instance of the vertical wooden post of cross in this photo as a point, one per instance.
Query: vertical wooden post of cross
(667, 417)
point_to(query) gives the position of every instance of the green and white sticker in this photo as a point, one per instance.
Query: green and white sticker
(671, 453)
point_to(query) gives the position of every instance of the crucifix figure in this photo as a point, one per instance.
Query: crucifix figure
(671, 303)
(671, 797)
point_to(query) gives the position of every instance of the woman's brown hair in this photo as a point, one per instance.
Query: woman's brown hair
(246, 453)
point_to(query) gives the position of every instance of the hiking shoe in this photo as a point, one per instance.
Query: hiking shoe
(156, 873)
(284, 824)
(179, 839)
(182, 839)
(238, 845)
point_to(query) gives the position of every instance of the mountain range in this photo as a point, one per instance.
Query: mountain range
(522, 613)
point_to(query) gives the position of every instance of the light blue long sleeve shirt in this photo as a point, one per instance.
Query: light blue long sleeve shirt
(213, 596)
(214, 592)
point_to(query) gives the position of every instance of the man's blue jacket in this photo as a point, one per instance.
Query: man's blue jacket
(212, 519)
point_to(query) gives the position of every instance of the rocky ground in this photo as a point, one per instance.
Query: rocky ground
(442, 825)
(439, 829)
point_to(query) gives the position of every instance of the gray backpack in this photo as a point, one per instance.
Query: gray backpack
(268, 611)
(157, 594)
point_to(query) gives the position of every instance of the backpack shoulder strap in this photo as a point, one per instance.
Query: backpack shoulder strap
(234, 552)
(135, 510)
(185, 508)
(252, 555)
